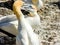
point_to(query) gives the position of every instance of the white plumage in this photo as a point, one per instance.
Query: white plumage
(26, 36)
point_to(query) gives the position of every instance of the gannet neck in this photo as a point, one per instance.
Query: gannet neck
(17, 8)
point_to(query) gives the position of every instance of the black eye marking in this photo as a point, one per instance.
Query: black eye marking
(24, 12)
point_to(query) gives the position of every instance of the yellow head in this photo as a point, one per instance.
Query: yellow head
(17, 7)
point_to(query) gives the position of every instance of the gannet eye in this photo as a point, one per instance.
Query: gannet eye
(30, 7)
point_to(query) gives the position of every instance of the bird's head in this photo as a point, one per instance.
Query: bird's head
(29, 8)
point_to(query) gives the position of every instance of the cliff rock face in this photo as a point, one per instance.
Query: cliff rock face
(49, 30)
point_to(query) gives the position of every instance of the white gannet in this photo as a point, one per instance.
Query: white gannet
(26, 36)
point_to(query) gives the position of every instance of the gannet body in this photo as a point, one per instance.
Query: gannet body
(26, 36)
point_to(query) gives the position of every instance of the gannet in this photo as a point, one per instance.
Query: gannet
(25, 36)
